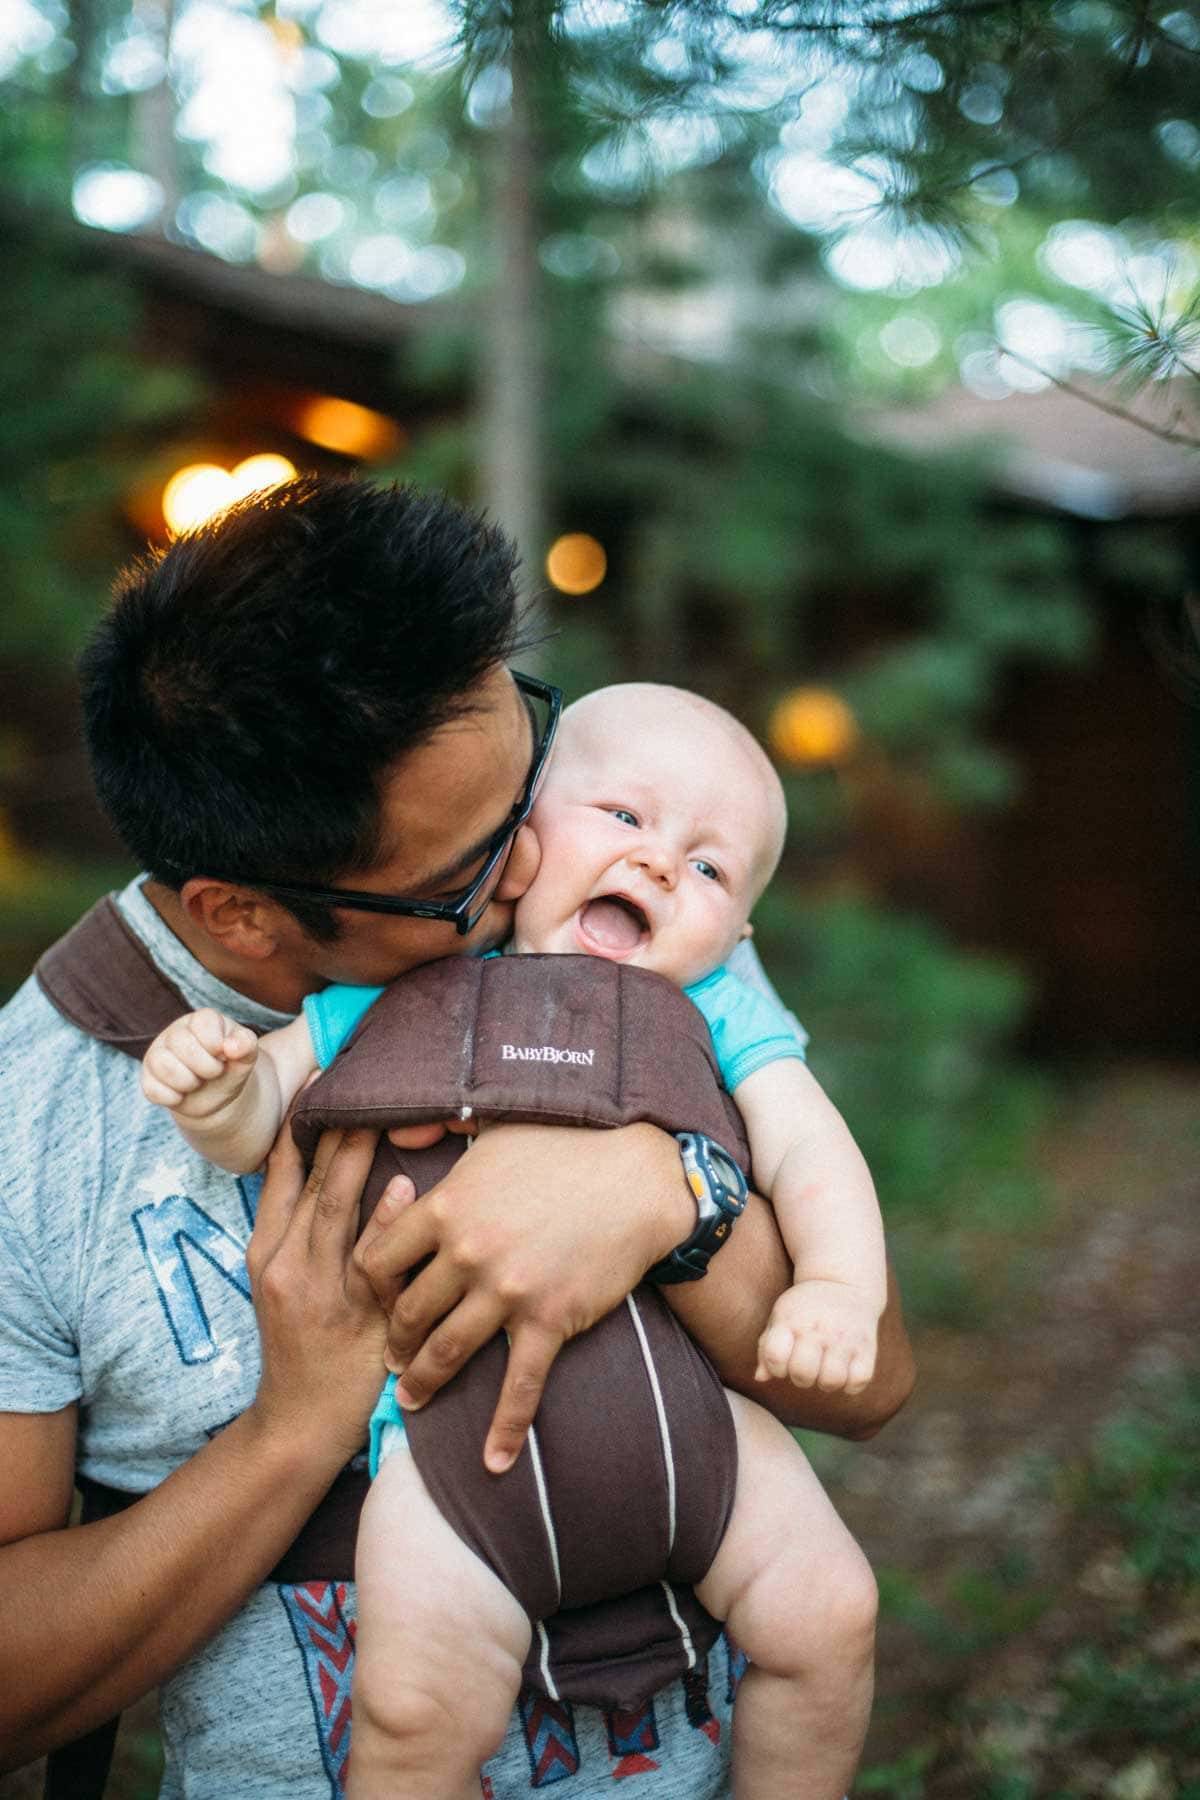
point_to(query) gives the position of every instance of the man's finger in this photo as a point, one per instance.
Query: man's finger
(386, 1256)
(426, 1299)
(400, 1192)
(417, 1137)
(531, 1356)
(280, 1195)
(470, 1324)
(335, 1187)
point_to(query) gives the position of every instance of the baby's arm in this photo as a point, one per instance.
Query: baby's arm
(822, 1331)
(229, 1091)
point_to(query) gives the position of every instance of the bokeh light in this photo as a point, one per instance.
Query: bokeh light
(194, 494)
(113, 197)
(576, 563)
(199, 490)
(266, 470)
(348, 428)
(813, 725)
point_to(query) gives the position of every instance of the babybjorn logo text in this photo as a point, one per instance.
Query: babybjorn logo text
(545, 1053)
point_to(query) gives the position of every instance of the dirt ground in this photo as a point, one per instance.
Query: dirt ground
(971, 1483)
(962, 1489)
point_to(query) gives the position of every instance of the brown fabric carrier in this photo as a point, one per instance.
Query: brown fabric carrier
(603, 1045)
(633, 1427)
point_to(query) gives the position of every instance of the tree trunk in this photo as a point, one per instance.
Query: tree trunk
(512, 370)
(154, 148)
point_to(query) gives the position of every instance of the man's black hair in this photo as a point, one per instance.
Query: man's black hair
(254, 681)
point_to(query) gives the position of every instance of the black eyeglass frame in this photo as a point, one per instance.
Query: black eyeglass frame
(458, 911)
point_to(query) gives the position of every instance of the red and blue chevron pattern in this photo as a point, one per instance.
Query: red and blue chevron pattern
(697, 1704)
(324, 1633)
(550, 1739)
(631, 1736)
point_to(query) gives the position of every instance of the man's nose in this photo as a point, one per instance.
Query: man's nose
(523, 862)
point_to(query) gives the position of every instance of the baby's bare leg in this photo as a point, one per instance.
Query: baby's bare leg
(799, 1597)
(441, 1643)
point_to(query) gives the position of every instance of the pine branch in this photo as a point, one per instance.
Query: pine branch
(1167, 433)
(881, 24)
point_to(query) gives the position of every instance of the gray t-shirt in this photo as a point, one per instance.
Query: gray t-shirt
(123, 1288)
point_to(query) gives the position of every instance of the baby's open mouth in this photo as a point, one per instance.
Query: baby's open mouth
(612, 926)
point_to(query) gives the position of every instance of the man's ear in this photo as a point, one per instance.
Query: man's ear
(747, 931)
(239, 920)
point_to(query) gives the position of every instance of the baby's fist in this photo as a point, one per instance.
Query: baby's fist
(199, 1062)
(820, 1334)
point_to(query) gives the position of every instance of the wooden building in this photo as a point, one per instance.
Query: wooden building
(1092, 880)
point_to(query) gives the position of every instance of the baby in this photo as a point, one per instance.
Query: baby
(660, 822)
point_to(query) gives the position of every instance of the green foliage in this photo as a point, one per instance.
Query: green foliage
(984, 1607)
(1145, 559)
(1136, 1698)
(1145, 1475)
(41, 907)
(910, 1037)
(903, 1779)
(78, 411)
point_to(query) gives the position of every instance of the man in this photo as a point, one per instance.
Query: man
(310, 694)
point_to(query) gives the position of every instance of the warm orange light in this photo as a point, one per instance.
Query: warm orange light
(350, 429)
(576, 563)
(266, 470)
(194, 494)
(200, 490)
(813, 725)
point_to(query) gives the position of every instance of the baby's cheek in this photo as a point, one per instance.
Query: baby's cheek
(531, 933)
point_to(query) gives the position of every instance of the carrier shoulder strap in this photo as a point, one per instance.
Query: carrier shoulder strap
(103, 979)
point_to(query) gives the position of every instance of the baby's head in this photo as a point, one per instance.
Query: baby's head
(660, 822)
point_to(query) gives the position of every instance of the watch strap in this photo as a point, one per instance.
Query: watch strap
(719, 1188)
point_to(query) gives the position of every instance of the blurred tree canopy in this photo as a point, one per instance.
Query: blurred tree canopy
(678, 247)
(686, 239)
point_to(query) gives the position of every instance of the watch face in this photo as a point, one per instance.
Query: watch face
(724, 1174)
(724, 1167)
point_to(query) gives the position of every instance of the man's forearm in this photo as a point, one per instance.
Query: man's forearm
(727, 1311)
(125, 1601)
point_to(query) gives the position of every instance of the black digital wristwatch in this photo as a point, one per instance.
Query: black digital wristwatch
(719, 1189)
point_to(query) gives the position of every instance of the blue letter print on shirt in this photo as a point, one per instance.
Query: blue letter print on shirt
(167, 1229)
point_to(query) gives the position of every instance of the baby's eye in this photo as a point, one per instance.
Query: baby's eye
(623, 813)
(709, 870)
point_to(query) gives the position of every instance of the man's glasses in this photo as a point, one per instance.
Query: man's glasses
(464, 909)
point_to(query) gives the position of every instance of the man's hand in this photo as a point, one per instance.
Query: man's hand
(127, 1600)
(539, 1231)
(322, 1329)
